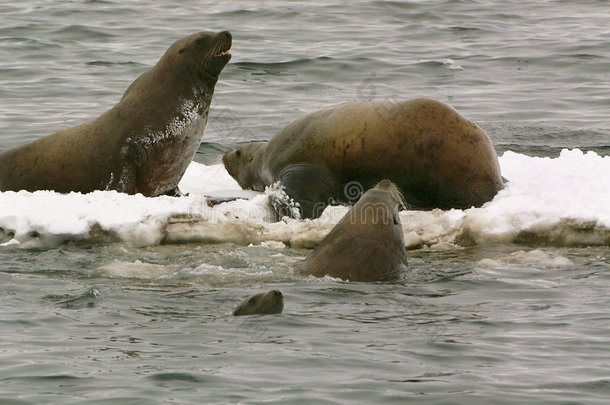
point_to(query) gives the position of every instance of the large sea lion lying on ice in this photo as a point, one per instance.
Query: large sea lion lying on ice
(436, 157)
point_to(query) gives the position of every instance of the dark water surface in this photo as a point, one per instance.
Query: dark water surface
(528, 327)
(496, 323)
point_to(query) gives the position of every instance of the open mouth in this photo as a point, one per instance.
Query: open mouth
(225, 39)
(214, 64)
(223, 53)
(223, 49)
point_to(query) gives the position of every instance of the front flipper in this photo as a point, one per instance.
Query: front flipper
(125, 181)
(282, 204)
(176, 193)
(311, 187)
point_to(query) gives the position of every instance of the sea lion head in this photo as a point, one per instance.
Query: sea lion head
(271, 302)
(204, 54)
(390, 187)
(378, 209)
(367, 244)
(244, 165)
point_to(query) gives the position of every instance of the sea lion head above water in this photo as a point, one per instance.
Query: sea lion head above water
(271, 302)
(367, 244)
(203, 54)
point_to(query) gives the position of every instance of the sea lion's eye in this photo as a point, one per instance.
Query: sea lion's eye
(237, 153)
(202, 43)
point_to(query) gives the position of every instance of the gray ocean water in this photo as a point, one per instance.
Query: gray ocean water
(116, 324)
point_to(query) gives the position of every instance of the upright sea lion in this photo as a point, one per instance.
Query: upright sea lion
(436, 157)
(141, 145)
(261, 304)
(366, 245)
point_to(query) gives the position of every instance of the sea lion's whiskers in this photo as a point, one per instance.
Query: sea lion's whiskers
(205, 61)
(402, 200)
(207, 57)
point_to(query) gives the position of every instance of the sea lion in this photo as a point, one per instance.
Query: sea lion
(436, 157)
(366, 245)
(141, 145)
(271, 302)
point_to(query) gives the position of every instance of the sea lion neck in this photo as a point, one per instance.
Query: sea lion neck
(261, 173)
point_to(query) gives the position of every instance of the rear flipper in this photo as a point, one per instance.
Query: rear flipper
(308, 191)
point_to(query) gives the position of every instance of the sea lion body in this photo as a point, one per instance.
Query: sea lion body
(141, 145)
(436, 157)
(366, 245)
(271, 302)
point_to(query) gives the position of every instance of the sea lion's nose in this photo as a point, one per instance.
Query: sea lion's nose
(277, 293)
(227, 34)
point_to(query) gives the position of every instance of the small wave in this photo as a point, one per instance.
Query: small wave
(110, 64)
(458, 28)
(446, 63)
(177, 377)
(136, 269)
(534, 258)
(78, 32)
(87, 299)
(20, 41)
(295, 62)
(279, 68)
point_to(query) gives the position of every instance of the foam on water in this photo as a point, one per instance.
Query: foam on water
(548, 201)
(534, 258)
(135, 269)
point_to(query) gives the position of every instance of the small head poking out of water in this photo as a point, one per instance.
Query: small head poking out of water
(271, 302)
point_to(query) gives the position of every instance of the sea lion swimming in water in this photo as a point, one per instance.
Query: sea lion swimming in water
(141, 145)
(435, 156)
(271, 302)
(366, 245)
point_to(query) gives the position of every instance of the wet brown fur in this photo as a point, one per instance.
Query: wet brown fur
(436, 157)
(131, 148)
(366, 245)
